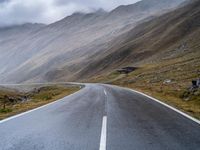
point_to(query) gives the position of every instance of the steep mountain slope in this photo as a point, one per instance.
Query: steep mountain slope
(10, 39)
(171, 36)
(166, 51)
(60, 50)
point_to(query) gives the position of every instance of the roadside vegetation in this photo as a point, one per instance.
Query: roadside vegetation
(168, 80)
(13, 102)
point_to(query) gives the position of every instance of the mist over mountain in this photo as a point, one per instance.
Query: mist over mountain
(174, 35)
(69, 49)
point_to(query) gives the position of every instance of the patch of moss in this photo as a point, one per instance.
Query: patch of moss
(5, 110)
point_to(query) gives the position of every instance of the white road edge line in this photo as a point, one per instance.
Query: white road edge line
(166, 105)
(103, 134)
(27, 112)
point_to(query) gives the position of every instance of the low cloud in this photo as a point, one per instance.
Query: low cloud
(48, 11)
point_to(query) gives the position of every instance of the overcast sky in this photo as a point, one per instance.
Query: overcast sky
(48, 11)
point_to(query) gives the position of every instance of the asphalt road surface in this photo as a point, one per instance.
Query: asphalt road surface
(101, 117)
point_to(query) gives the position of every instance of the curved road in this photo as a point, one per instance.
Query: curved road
(101, 117)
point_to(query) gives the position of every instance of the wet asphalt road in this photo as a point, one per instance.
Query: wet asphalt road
(134, 122)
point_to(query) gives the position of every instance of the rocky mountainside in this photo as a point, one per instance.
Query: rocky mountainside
(65, 50)
(170, 37)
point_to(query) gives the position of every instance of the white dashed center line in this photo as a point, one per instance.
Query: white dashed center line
(103, 134)
(104, 128)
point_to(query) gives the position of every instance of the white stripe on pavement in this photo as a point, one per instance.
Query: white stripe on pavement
(162, 103)
(103, 134)
(166, 105)
(35, 109)
(105, 92)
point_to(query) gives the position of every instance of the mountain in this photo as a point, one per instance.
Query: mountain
(173, 36)
(64, 50)
(10, 39)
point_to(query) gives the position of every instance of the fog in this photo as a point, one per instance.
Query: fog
(48, 11)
